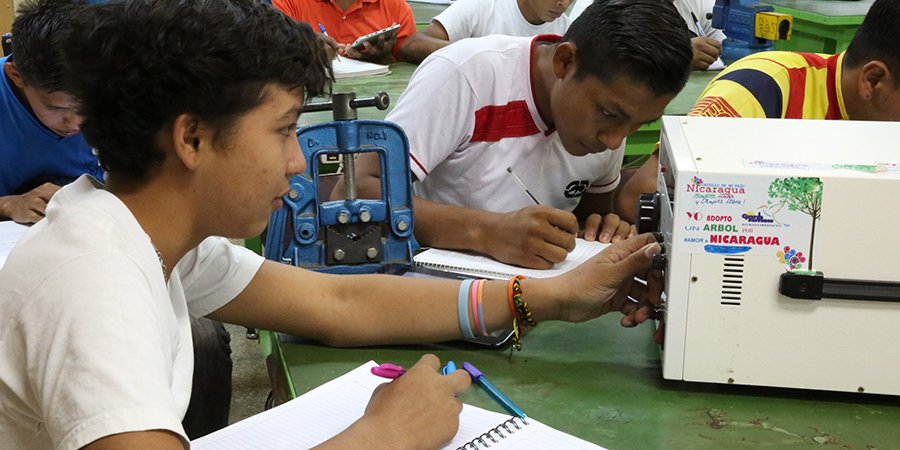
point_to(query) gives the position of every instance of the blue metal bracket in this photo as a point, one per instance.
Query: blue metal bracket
(351, 235)
(737, 18)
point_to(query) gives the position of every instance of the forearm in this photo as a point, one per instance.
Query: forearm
(5, 208)
(418, 46)
(342, 310)
(426, 309)
(642, 181)
(453, 227)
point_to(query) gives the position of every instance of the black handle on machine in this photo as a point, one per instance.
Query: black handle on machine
(814, 286)
(345, 104)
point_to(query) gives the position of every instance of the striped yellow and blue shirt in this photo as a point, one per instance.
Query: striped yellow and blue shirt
(786, 85)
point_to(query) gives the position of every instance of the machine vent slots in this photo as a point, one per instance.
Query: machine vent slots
(732, 280)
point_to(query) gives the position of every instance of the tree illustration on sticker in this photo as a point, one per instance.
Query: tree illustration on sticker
(802, 194)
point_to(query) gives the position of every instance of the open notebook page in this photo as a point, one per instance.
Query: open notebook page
(327, 410)
(482, 266)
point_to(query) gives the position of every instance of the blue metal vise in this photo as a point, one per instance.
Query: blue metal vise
(351, 235)
(750, 27)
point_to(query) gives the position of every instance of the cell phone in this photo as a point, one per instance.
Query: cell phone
(372, 37)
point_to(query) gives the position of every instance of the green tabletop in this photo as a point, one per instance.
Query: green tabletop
(826, 11)
(395, 83)
(821, 26)
(424, 12)
(603, 383)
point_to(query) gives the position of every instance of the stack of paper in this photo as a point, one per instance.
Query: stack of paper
(349, 68)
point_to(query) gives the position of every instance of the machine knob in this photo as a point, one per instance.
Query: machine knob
(648, 213)
(659, 261)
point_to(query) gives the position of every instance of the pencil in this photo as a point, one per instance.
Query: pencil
(522, 185)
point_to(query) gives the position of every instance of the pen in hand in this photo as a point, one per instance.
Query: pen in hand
(393, 371)
(522, 185)
(388, 370)
(700, 32)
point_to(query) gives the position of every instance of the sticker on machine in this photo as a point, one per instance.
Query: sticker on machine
(879, 167)
(750, 214)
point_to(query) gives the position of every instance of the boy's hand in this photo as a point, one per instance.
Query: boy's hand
(29, 207)
(605, 282)
(332, 47)
(535, 237)
(377, 51)
(419, 409)
(606, 229)
(706, 51)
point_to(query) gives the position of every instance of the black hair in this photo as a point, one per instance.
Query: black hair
(645, 40)
(36, 51)
(875, 39)
(138, 64)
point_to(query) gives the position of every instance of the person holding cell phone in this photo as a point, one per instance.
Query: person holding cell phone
(343, 22)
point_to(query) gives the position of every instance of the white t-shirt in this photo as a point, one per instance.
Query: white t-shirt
(93, 342)
(477, 18)
(470, 113)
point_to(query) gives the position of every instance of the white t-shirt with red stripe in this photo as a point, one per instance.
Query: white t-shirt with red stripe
(470, 113)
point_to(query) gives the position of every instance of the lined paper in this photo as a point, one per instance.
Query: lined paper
(325, 411)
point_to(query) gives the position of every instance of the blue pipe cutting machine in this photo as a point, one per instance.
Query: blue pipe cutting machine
(352, 235)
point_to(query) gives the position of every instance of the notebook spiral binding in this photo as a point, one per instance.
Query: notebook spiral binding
(494, 435)
(465, 270)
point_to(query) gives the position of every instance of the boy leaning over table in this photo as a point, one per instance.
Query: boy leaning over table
(553, 110)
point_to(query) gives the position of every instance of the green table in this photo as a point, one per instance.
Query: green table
(424, 12)
(821, 26)
(603, 383)
(639, 143)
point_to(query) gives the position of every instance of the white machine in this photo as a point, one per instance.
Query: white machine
(746, 207)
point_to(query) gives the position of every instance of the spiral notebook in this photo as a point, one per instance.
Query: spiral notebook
(327, 410)
(469, 264)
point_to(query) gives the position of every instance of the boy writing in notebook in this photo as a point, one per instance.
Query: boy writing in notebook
(199, 141)
(552, 110)
(477, 18)
(861, 83)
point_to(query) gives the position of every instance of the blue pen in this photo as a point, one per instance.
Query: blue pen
(322, 29)
(449, 368)
(503, 400)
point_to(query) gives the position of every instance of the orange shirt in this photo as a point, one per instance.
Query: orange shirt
(361, 18)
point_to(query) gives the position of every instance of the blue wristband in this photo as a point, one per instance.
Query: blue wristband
(463, 309)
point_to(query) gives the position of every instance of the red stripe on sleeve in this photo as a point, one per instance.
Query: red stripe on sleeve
(421, 167)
